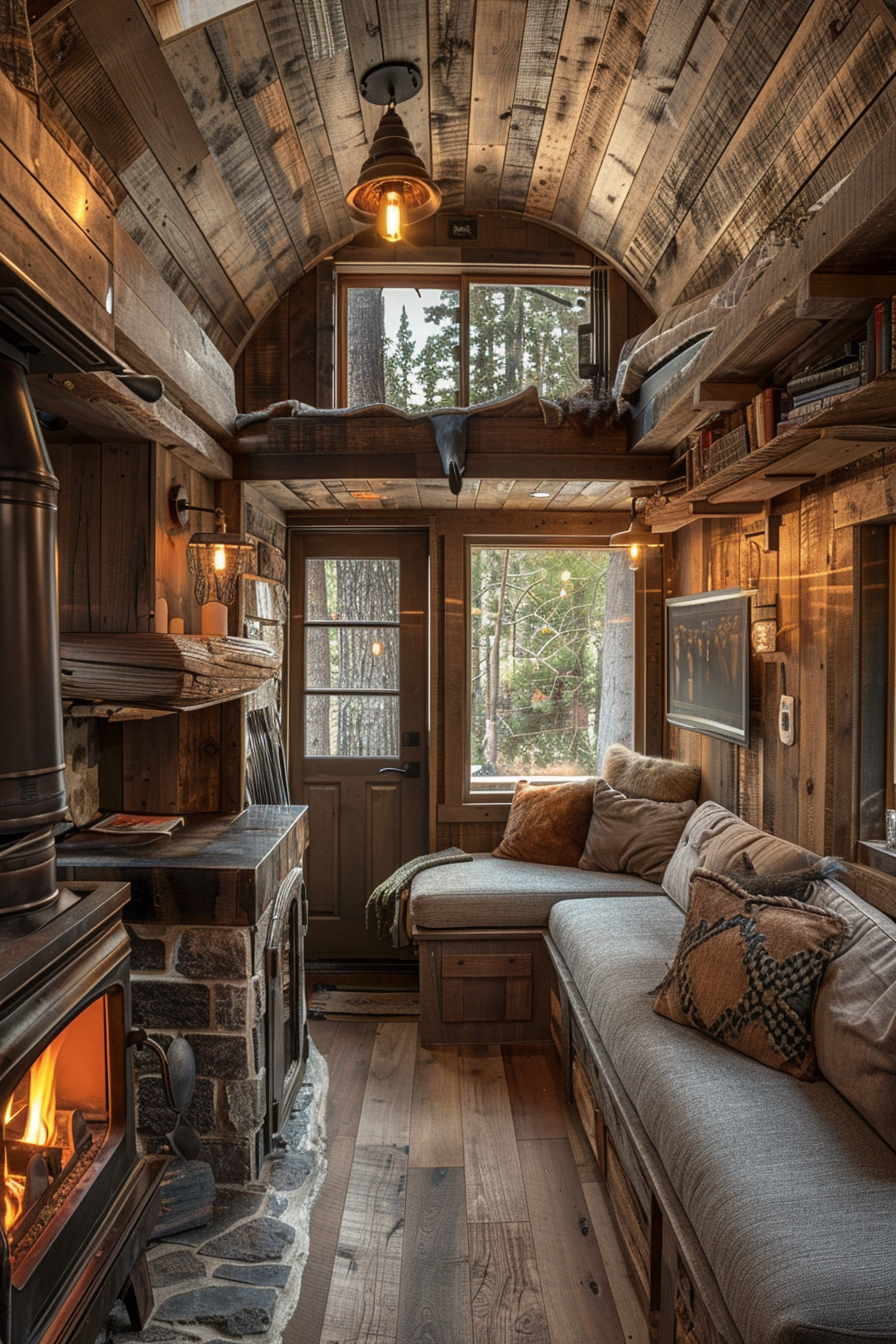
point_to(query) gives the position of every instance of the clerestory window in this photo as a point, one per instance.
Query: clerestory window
(455, 339)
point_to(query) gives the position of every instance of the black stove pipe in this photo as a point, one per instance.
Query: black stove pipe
(32, 758)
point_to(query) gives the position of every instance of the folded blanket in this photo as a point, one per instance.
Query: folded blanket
(386, 899)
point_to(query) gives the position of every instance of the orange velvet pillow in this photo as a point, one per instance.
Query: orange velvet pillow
(548, 823)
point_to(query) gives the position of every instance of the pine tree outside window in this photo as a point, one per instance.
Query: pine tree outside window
(454, 339)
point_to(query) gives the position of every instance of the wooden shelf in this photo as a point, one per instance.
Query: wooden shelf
(810, 448)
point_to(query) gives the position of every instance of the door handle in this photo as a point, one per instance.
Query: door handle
(409, 768)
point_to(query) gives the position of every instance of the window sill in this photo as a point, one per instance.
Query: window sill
(472, 812)
(874, 854)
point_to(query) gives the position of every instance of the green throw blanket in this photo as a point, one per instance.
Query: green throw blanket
(386, 899)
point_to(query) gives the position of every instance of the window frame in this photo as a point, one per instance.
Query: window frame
(357, 275)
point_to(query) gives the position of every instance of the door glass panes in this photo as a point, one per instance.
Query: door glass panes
(351, 590)
(351, 725)
(522, 335)
(402, 347)
(351, 657)
(551, 659)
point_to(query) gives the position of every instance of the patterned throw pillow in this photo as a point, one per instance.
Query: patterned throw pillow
(747, 969)
(548, 823)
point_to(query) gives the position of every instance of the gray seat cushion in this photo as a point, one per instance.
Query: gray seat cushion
(506, 893)
(790, 1193)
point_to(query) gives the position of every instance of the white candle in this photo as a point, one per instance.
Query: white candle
(214, 618)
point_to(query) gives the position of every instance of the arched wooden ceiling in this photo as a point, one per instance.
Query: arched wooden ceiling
(667, 135)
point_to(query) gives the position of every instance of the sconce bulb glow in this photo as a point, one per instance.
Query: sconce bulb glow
(376, 648)
(220, 559)
(634, 557)
(391, 216)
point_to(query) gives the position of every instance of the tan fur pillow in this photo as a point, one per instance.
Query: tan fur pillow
(548, 823)
(632, 835)
(650, 776)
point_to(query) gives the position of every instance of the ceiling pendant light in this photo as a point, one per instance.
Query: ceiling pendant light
(393, 189)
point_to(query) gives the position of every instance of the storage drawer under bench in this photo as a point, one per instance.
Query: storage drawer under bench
(483, 986)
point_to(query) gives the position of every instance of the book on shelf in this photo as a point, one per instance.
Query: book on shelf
(825, 391)
(133, 823)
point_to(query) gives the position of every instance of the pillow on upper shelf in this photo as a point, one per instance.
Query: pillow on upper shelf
(548, 823)
(652, 777)
(747, 970)
(632, 835)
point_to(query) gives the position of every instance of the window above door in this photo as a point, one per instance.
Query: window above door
(450, 337)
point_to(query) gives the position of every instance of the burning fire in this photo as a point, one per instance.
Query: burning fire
(39, 1122)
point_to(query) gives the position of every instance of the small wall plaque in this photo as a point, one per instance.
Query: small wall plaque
(464, 230)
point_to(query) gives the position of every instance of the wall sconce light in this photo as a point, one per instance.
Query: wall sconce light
(636, 538)
(394, 188)
(216, 559)
(764, 628)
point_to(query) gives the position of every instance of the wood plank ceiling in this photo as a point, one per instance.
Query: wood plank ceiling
(666, 135)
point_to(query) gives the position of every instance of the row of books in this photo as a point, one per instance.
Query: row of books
(814, 389)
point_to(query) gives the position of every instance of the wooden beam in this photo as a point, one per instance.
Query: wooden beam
(635, 472)
(155, 333)
(129, 417)
(672, 515)
(724, 396)
(846, 285)
(833, 447)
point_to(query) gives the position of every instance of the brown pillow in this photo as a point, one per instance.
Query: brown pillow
(747, 970)
(632, 835)
(653, 777)
(547, 823)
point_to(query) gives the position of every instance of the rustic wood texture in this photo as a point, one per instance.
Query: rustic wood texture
(400, 1252)
(667, 135)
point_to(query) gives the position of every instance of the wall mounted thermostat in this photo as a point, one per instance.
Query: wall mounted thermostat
(786, 724)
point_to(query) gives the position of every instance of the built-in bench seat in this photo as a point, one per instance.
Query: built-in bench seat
(789, 1194)
(484, 972)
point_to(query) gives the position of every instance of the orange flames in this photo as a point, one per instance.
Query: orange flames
(39, 1122)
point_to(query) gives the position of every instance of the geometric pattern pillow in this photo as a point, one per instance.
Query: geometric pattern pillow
(747, 969)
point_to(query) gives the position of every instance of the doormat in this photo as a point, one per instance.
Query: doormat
(344, 1002)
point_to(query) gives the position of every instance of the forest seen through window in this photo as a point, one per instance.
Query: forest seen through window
(551, 661)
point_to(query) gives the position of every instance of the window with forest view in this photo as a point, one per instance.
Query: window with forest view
(402, 343)
(551, 661)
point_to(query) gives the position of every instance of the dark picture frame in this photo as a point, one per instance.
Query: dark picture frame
(708, 664)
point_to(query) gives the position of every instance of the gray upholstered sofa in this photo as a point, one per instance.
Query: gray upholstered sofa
(754, 1207)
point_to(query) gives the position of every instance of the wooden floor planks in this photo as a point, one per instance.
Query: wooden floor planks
(458, 1187)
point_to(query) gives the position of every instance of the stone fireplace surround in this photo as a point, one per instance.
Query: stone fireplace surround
(198, 918)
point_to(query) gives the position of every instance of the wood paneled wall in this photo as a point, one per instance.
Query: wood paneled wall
(830, 577)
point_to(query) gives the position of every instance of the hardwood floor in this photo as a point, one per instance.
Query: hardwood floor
(462, 1204)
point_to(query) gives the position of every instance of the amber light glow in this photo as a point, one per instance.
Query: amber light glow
(220, 559)
(40, 1122)
(391, 215)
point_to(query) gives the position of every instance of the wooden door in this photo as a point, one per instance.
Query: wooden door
(357, 723)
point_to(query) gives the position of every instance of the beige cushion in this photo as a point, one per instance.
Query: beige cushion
(653, 777)
(715, 838)
(855, 1012)
(501, 893)
(632, 835)
(547, 823)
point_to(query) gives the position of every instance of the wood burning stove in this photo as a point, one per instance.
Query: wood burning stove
(79, 1202)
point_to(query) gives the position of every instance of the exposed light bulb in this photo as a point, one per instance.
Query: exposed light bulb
(635, 555)
(376, 648)
(391, 216)
(562, 592)
(565, 576)
(219, 559)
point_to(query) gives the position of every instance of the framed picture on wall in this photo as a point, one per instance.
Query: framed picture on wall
(708, 663)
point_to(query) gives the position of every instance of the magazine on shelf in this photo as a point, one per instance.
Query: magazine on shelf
(132, 823)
